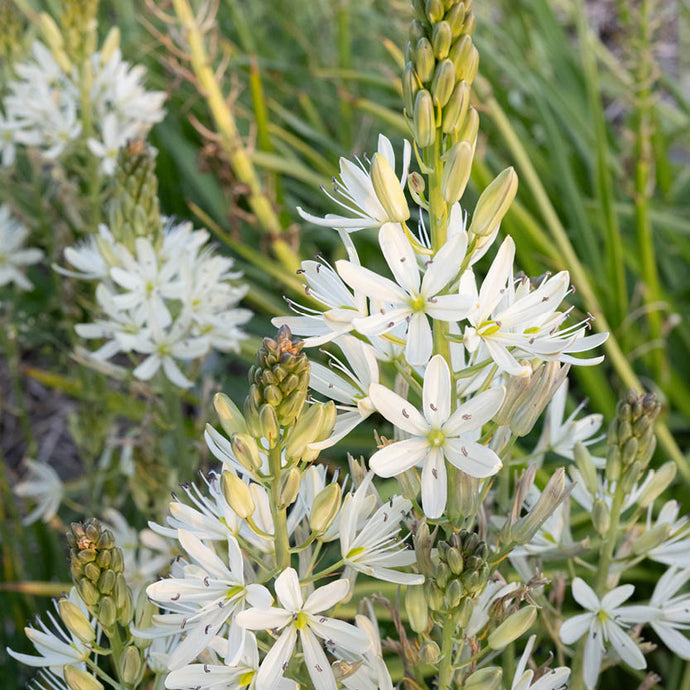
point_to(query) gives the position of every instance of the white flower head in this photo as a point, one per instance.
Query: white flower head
(436, 434)
(14, 257)
(551, 679)
(44, 487)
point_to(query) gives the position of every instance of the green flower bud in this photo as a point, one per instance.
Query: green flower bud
(76, 622)
(585, 464)
(613, 463)
(231, 418)
(652, 538)
(455, 561)
(662, 479)
(630, 476)
(288, 487)
(424, 119)
(417, 608)
(441, 38)
(454, 594)
(143, 617)
(246, 450)
(434, 10)
(443, 82)
(416, 32)
(465, 57)
(456, 109)
(513, 627)
(131, 665)
(238, 495)
(325, 508)
(110, 45)
(268, 423)
(388, 189)
(88, 592)
(469, 24)
(107, 612)
(77, 679)
(456, 18)
(456, 171)
(494, 203)
(488, 678)
(106, 582)
(425, 61)
(51, 31)
(429, 653)
(601, 516)
(434, 596)
(411, 85)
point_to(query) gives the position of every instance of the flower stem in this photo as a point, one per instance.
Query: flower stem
(280, 531)
(446, 668)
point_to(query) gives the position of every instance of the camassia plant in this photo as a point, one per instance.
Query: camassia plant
(292, 573)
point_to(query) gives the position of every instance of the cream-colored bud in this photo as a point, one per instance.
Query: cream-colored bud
(288, 487)
(494, 203)
(469, 129)
(465, 57)
(424, 60)
(434, 10)
(417, 186)
(585, 465)
(601, 516)
(469, 24)
(238, 495)
(110, 45)
(652, 538)
(429, 653)
(443, 83)
(441, 39)
(456, 171)
(231, 419)
(388, 189)
(268, 423)
(513, 627)
(553, 494)
(488, 678)
(424, 119)
(662, 479)
(456, 18)
(410, 86)
(417, 608)
(77, 679)
(76, 622)
(305, 431)
(456, 108)
(246, 450)
(325, 507)
(51, 32)
(130, 665)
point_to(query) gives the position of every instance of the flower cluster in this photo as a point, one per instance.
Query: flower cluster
(14, 256)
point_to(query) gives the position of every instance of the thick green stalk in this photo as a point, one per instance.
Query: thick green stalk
(445, 669)
(280, 531)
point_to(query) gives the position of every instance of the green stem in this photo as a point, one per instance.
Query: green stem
(446, 668)
(282, 541)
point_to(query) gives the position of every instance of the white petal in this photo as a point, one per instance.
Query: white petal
(343, 634)
(397, 410)
(400, 257)
(574, 628)
(327, 596)
(472, 458)
(395, 458)
(434, 484)
(673, 639)
(594, 650)
(624, 646)
(584, 595)
(271, 669)
(370, 283)
(476, 412)
(288, 590)
(263, 619)
(616, 597)
(316, 662)
(420, 342)
(450, 307)
(436, 391)
(445, 265)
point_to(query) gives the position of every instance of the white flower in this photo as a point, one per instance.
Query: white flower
(676, 549)
(436, 434)
(355, 192)
(552, 679)
(206, 597)
(603, 625)
(57, 647)
(374, 548)
(298, 616)
(43, 486)
(13, 257)
(114, 137)
(514, 321)
(495, 590)
(410, 299)
(8, 129)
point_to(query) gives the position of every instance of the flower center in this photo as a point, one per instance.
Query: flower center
(301, 620)
(353, 553)
(233, 591)
(436, 437)
(602, 615)
(246, 678)
(418, 303)
(488, 328)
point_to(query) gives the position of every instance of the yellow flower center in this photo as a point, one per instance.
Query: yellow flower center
(301, 620)
(246, 678)
(353, 553)
(436, 438)
(233, 591)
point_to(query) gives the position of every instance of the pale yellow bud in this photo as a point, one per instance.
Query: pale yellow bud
(585, 465)
(410, 85)
(552, 495)
(324, 509)
(456, 171)
(130, 665)
(651, 539)
(110, 45)
(246, 450)
(268, 424)
(441, 39)
(425, 60)
(601, 516)
(416, 185)
(424, 119)
(288, 487)
(488, 678)
(443, 83)
(417, 608)
(76, 622)
(662, 479)
(238, 495)
(469, 129)
(456, 108)
(456, 18)
(465, 57)
(51, 32)
(77, 679)
(494, 203)
(231, 419)
(513, 627)
(388, 189)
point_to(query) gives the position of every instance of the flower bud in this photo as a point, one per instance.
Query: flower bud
(425, 61)
(75, 620)
(238, 495)
(268, 423)
(324, 508)
(77, 679)
(661, 480)
(410, 86)
(469, 24)
(288, 487)
(488, 678)
(652, 538)
(106, 581)
(585, 465)
(246, 450)
(88, 592)
(494, 203)
(455, 110)
(130, 665)
(434, 10)
(51, 32)
(630, 476)
(470, 127)
(107, 612)
(417, 608)
(388, 189)
(601, 516)
(110, 45)
(454, 594)
(424, 119)
(441, 38)
(513, 627)
(614, 465)
(143, 616)
(417, 30)
(231, 418)
(456, 18)
(465, 57)
(443, 82)
(456, 171)
(429, 653)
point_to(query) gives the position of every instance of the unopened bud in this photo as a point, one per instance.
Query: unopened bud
(429, 653)
(238, 495)
(630, 476)
(78, 679)
(388, 189)
(443, 82)
(465, 58)
(425, 61)
(434, 10)
(88, 592)
(455, 110)
(246, 450)
(51, 32)
(614, 465)
(662, 479)
(494, 203)
(456, 18)
(652, 538)
(268, 423)
(110, 45)
(288, 487)
(513, 627)
(441, 39)
(75, 620)
(469, 129)
(585, 465)
(324, 508)
(130, 665)
(107, 612)
(417, 30)
(456, 171)
(551, 497)
(106, 581)
(424, 119)
(485, 679)
(469, 24)
(601, 516)
(410, 86)
(417, 608)
(454, 594)
(231, 419)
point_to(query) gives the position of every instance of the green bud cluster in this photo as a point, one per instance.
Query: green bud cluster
(134, 209)
(79, 22)
(279, 385)
(631, 440)
(441, 63)
(97, 569)
(11, 34)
